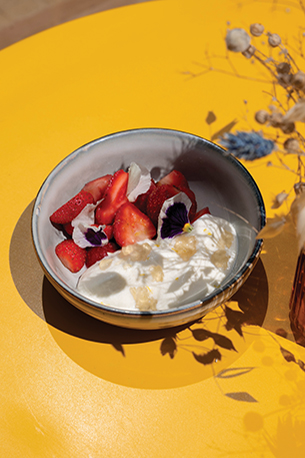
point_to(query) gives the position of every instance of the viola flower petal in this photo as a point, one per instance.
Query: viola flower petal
(86, 236)
(86, 216)
(175, 220)
(173, 217)
(85, 233)
(139, 181)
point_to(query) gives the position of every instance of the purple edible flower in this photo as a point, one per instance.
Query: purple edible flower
(173, 218)
(87, 236)
(176, 221)
(95, 238)
(85, 233)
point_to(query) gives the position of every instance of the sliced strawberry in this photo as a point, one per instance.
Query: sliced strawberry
(97, 253)
(71, 255)
(115, 196)
(109, 231)
(174, 178)
(97, 187)
(131, 225)
(203, 211)
(67, 212)
(141, 202)
(192, 197)
(68, 229)
(156, 200)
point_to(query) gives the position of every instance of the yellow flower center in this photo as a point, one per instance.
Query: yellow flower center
(187, 227)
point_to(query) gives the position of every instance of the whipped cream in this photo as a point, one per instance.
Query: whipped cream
(163, 274)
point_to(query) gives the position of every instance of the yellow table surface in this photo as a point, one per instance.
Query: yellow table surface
(72, 386)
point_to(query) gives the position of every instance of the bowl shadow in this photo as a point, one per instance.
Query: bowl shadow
(86, 340)
(252, 299)
(60, 314)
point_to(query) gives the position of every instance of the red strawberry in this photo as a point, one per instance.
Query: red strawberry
(200, 213)
(141, 202)
(115, 196)
(99, 252)
(192, 197)
(68, 229)
(109, 231)
(97, 187)
(71, 255)
(156, 200)
(67, 212)
(131, 225)
(174, 178)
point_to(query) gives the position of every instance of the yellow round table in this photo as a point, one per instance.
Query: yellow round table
(72, 386)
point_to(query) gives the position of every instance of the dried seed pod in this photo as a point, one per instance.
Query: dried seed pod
(274, 40)
(291, 145)
(237, 40)
(273, 228)
(279, 200)
(296, 113)
(272, 107)
(256, 29)
(276, 119)
(249, 52)
(284, 79)
(283, 68)
(287, 127)
(299, 188)
(261, 116)
(298, 80)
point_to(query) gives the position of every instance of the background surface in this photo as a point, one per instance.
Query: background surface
(22, 18)
(71, 386)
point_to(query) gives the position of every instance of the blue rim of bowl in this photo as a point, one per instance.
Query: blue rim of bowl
(231, 285)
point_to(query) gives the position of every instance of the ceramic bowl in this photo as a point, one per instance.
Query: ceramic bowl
(217, 179)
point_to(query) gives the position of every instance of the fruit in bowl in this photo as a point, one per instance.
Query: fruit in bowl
(122, 229)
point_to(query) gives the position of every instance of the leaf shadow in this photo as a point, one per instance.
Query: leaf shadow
(252, 300)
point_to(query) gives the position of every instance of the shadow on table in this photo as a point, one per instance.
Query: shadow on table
(252, 301)
(62, 315)
(180, 356)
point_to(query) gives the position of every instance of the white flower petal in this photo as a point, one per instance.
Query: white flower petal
(85, 220)
(85, 217)
(79, 235)
(139, 181)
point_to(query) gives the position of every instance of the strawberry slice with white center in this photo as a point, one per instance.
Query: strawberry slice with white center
(71, 255)
(115, 196)
(97, 187)
(131, 225)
